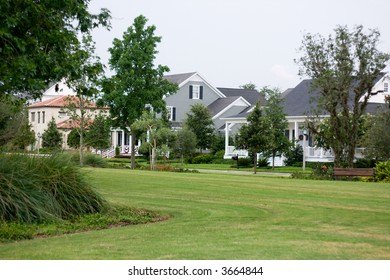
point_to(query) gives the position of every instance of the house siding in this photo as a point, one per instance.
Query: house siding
(182, 102)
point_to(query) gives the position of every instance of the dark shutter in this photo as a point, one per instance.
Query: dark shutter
(173, 113)
(201, 92)
(190, 92)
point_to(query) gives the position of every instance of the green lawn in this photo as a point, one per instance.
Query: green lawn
(223, 216)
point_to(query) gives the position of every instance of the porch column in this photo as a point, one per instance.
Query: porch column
(226, 137)
(113, 138)
(296, 130)
(122, 141)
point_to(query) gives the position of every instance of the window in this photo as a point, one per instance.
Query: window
(43, 117)
(386, 87)
(39, 117)
(171, 113)
(196, 92)
(32, 116)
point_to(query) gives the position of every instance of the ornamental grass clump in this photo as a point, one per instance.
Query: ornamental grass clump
(36, 189)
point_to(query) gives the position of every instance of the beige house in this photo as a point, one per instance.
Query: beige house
(41, 113)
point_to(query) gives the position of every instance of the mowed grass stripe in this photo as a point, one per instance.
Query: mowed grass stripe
(223, 216)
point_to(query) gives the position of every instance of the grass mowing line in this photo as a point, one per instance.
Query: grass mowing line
(223, 216)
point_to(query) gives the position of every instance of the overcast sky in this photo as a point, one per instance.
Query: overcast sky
(234, 42)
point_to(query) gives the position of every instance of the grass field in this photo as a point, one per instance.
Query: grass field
(224, 216)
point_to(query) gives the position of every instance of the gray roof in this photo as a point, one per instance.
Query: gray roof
(250, 95)
(220, 104)
(302, 100)
(179, 78)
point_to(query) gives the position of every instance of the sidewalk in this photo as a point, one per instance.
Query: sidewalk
(243, 172)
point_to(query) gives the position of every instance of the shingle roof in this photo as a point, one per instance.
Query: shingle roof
(221, 103)
(179, 78)
(252, 96)
(59, 102)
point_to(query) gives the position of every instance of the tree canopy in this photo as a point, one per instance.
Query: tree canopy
(344, 68)
(36, 41)
(200, 122)
(137, 83)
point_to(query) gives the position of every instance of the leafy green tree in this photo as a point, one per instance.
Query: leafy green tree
(24, 136)
(344, 69)
(199, 121)
(10, 119)
(278, 143)
(84, 77)
(185, 143)
(73, 139)
(99, 133)
(377, 137)
(254, 135)
(156, 132)
(136, 82)
(51, 137)
(36, 40)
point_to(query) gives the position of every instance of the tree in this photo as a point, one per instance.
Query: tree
(83, 78)
(98, 134)
(278, 142)
(200, 122)
(254, 135)
(185, 143)
(157, 133)
(11, 116)
(36, 40)
(250, 85)
(73, 139)
(51, 137)
(344, 69)
(377, 137)
(24, 136)
(136, 82)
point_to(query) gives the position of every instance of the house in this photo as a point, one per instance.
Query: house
(41, 113)
(298, 103)
(193, 89)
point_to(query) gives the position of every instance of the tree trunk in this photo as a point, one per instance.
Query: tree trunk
(133, 139)
(255, 164)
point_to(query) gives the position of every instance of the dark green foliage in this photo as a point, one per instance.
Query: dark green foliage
(364, 163)
(36, 41)
(206, 158)
(98, 135)
(51, 137)
(73, 140)
(245, 162)
(200, 122)
(377, 137)
(294, 155)
(44, 188)
(263, 162)
(185, 143)
(90, 160)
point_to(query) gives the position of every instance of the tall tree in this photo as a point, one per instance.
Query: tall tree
(36, 40)
(24, 136)
(185, 143)
(200, 122)
(344, 69)
(136, 82)
(51, 137)
(83, 78)
(278, 142)
(253, 136)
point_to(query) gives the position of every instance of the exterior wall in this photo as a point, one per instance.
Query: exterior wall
(39, 125)
(382, 85)
(182, 102)
(234, 110)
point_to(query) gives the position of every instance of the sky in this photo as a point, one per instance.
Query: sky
(234, 42)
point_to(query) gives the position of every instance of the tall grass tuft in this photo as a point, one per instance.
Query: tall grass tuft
(34, 189)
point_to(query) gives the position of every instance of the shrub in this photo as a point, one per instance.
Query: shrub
(44, 188)
(364, 163)
(206, 158)
(294, 155)
(245, 162)
(382, 173)
(263, 162)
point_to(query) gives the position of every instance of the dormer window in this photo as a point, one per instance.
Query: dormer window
(196, 92)
(386, 87)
